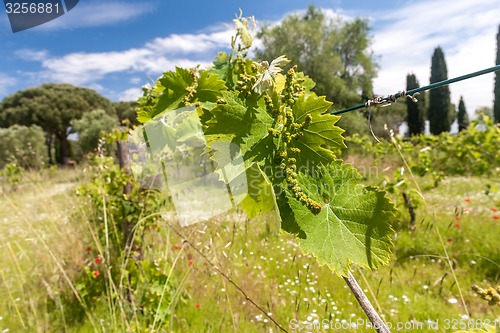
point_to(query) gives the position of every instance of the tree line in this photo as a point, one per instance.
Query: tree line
(56, 111)
(334, 52)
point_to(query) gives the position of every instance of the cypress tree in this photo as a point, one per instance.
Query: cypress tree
(463, 117)
(415, 110)
(496, 103)
(439, 98)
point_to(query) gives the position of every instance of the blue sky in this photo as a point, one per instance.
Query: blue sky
(117, 46)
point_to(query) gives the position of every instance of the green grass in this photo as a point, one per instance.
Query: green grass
(45, 233)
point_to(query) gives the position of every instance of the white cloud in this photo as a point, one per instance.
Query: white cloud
(98, 13)
(131, 94)
(155, 57)
(82, 68)
(135, 80)
(405, 39)
(6, 82)
(191, 43)
(32, 55)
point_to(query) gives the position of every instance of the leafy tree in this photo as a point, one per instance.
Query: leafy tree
(439, 98)
(453, 113)
(484, 111)
(90, 127)
(463, 117)
(52, 107)
(415, 111)
(496, 104)
(23, 146)
(126, 111)
(334, 53)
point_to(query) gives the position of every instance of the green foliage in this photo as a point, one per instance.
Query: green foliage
(126, 112)
(462, 116)
(177, 89)
(484, 111)
(350, 220)
(333, 52)
(439, 98)
(496, 103)
(12, 175)
(473, 151)
(289, 145)
(91, 127)
(415, 111)
(105, 192)
(23, 146)
(52, 107)
(118, 261)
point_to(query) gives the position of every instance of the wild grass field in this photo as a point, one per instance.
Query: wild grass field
(56, 277)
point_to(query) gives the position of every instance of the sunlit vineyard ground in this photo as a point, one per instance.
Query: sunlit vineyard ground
(46, 241)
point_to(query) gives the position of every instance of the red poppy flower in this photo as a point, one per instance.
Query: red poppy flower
(450, 240)
(494, 209)
(176, 247)
(98, 260)
(197, 306)
(95, 274)
(191, 261)
(457, 218)
(88, 249)
(496, 217)
(457, 225)
(467, 200)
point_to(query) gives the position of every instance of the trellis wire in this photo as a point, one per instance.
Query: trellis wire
(414, 92)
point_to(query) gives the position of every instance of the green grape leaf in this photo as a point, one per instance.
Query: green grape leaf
(260, 198)
(231, 117)
(247, 124)
(249, 186)
(322, 138)
(146, 104)
(209, 88)
(175, 84)
(353, 226)
(223, 67)
(308, 83)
